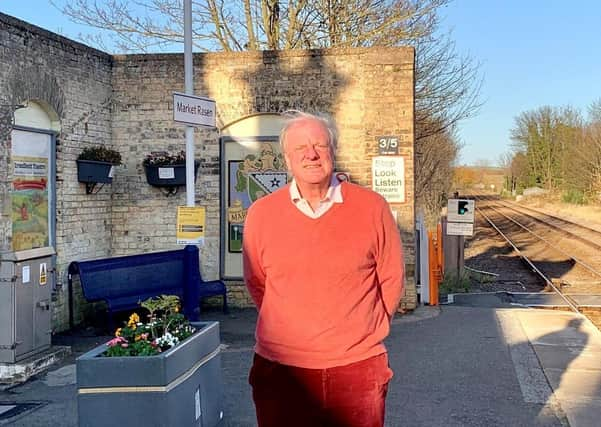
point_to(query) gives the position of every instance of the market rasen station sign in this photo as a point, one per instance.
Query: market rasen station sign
(194, 110)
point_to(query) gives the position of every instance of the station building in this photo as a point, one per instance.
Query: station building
(58, 96)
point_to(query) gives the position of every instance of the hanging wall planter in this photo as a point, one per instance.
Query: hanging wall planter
(92, 171)
(168, 175)
(95, 165)
(166, 170)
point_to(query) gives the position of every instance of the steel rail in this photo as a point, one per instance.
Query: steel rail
(552, 246)
(548, 224)
(527, 261)
(514, 205)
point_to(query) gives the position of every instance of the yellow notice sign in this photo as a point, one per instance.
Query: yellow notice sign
(190, 225)
(43, 273)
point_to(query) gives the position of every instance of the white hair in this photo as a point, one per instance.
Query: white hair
(292, 117)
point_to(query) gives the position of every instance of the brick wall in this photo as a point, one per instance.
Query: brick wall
(73, 81)
(126, 101)
(368, 91)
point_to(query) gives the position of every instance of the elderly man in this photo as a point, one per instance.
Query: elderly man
(323, 263)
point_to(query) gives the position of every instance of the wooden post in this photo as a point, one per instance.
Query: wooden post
(453, 252)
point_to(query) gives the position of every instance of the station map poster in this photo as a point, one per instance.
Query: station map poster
(30, 190)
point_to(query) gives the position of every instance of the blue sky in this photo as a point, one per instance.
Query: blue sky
(533, 53)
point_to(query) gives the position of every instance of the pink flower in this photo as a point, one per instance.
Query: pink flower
(125, 345)
(115, 341)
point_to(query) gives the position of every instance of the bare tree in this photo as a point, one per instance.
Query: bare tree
(593, 163)
(544, 136)
(435, 156)
(505, 162)
(140, 25)
(519, 173)
(584, 171)
(554, 147)
(594, 112)
(447, 84)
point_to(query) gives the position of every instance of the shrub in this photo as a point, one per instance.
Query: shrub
(100, 153)
(575, 197)
(453, 282)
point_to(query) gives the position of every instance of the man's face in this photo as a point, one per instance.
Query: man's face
(308, 153)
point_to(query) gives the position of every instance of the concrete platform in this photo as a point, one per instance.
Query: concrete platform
(568, 347)
(477, 364)
(15, 373)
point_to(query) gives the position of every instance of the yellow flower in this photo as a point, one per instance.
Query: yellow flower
(133, 321)
(176, 309)
(118, 332)
(138, 338)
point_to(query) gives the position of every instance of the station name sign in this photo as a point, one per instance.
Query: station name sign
(194, 110)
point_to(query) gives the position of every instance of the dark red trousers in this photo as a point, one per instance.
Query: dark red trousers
(346, 396)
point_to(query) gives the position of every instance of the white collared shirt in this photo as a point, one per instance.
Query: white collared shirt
(333, 195)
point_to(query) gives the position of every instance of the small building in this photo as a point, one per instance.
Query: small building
(58, 96)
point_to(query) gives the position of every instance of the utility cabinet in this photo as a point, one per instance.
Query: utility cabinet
(26, 283)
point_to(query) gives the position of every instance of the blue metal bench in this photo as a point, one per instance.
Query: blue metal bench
(122, 282)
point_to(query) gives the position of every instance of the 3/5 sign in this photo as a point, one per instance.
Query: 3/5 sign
(388, 145)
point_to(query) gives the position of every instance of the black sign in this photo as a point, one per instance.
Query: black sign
(388, 145)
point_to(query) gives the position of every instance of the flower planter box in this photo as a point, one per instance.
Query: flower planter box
(90, 171)
(179, 387)
(168, 176)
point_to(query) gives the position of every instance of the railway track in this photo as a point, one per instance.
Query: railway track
(565, 255)
(584, 233)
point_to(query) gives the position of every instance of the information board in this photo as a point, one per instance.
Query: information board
(388, 177)
(190, 225)
(460, 229)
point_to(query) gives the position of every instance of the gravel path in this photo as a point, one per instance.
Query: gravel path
(487, 251)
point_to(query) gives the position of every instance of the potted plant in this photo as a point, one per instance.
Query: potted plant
(167, 170)
(96, 165)
(165, 371)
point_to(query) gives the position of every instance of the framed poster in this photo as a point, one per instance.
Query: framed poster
(31, 192)
(252, 166)
(257, 174)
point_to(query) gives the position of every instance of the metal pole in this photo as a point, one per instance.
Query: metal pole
(189, 83)
(191, 289)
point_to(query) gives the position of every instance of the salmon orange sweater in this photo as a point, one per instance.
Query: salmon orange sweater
(326, 288)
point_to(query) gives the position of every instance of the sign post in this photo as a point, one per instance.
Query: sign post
(459, 223)
(189, 85)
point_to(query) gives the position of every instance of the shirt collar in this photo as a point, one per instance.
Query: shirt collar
(334, 193)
